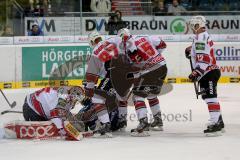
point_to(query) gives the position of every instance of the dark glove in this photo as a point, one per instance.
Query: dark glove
(188, 52)
(196, 74)
(87, 101)
(89, 92)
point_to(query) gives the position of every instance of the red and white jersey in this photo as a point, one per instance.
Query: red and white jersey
(103, 52)
(202, 53)
(47, 103)
(148, 51)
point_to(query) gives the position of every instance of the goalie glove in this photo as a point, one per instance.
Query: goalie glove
(71, 132)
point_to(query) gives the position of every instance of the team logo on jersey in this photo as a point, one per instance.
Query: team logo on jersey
(179, 26)
(200, 46)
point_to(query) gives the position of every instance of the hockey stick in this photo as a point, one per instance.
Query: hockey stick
(12, 105)
(8, 111)
(196, 86)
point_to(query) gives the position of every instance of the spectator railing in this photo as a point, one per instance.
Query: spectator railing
(133, 7)
(74, 23)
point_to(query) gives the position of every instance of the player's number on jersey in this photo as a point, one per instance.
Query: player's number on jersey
(147, 48)
(146, 52)
(106, 51)
(200, 58)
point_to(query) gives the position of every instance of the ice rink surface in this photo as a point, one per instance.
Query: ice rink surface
(182, 138)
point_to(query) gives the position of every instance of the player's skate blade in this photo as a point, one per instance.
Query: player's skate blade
(213, 134)
(157, 128)
(213, 130)
(140, 134)
(106, 135)
(142, 128)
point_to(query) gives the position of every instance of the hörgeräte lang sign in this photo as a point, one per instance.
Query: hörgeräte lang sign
(54, 62)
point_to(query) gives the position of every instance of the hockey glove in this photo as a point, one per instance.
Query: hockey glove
(196, 74)
(87, 101)
(188, 52)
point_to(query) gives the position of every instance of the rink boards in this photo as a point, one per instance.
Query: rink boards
(45, 83)
(28, 65)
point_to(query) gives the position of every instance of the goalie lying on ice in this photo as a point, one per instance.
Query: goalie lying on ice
(55, 119)
(53, 106)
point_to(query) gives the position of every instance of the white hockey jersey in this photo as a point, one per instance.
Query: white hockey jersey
(148, 52)
(202, 53)
(103, 52)
(47, 103)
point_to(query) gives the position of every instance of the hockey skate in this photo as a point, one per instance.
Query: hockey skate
(157, 124)
(220, 120)
(122, 123)
(103, 131)
(215, 129)
(142, 128)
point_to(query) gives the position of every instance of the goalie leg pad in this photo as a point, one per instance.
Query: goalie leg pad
(30, 130)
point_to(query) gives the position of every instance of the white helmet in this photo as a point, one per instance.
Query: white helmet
(124, 33)
(75, 94)
(92, 37)
(200, 20)
(71, 94)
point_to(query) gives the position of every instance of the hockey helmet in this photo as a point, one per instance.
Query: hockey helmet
(92, 37)
(76, 94)
(200, 20)
(125, 34)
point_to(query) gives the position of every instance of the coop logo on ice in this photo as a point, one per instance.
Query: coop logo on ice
(227, 53)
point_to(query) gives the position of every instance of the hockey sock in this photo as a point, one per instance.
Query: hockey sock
(214, 109)
(154, 105)
(122, 108)
(140, 107)
(102, 113)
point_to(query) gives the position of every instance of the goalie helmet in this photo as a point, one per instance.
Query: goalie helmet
(200, 20)
(76, 94)
(71, 95)
(125, 34)
(92, 37)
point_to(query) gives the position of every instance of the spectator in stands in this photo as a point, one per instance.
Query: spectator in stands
(115, 23)
(40, 7)
(35, 31)
(7, 32)
(175, 9)
(158, 8)
(101, 6)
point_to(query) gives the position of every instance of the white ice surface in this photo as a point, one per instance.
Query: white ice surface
(179, 141)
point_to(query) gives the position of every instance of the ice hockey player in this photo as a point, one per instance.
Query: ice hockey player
(103, 52)
(88, 115)
(54, 104)
(206, 72)
(145, 53)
